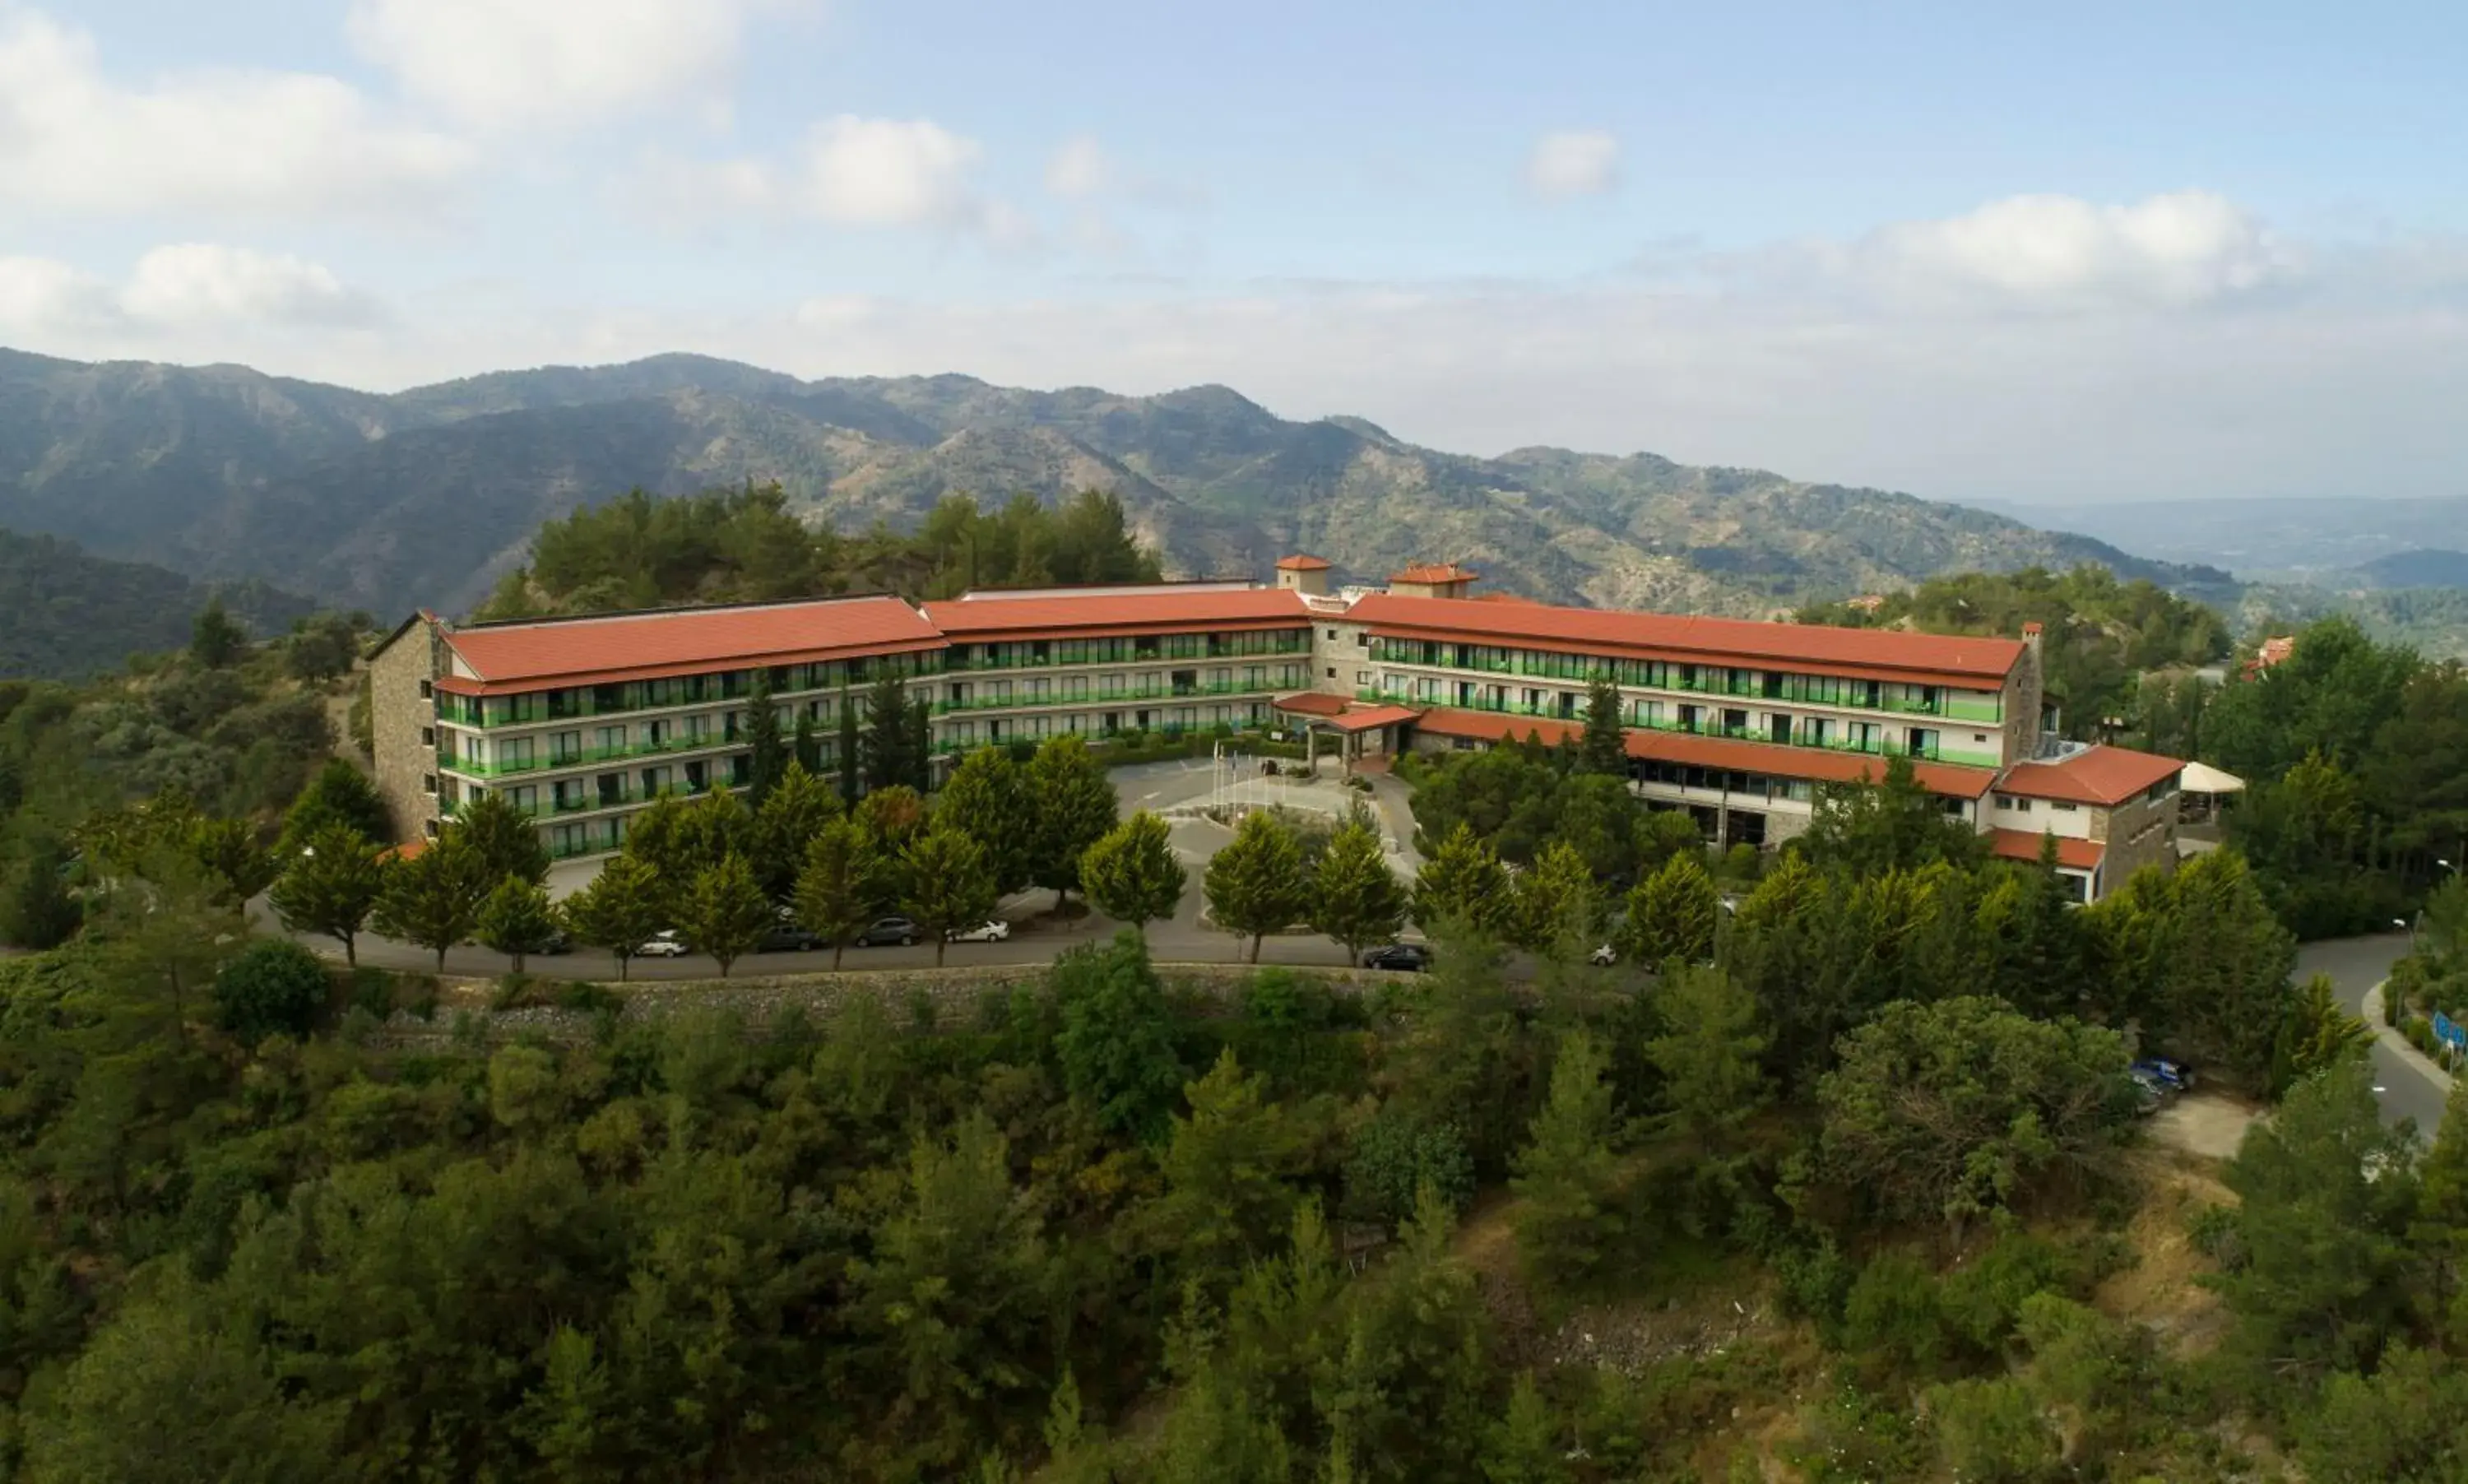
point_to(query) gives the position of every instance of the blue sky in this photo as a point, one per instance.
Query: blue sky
(2088, 253)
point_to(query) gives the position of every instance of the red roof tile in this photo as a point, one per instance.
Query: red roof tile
(2099, 775)
(1872, 653)
(1365, 718)
(2022, 845)
(680, 641)
(1433, 572)
(1774, 760)
(1313, 703)
(1299, 562)
(1095, 614)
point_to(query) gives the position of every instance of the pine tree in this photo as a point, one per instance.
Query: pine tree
(950, 885)
(1707, 1054)
(770, 756)
(339, 794)
(432, 899)
(2440, 1229)
(1255, 885)
(1073, 804)
(985, 798)
(1462, 881)
(1131, 875)
(805, 749)
(849, 750)
(1672, 914)
(41, 913)
(1566, 1174)
(229, 849)
(1603, 748)
(835, 889)
(216, 639)
(919, 734)
(502, 838)
(1355, 897)
(1553, 900)
(517, 918)
(330, 886)
(725, 912)
(784, 828)
(1524, 1447)
(623, 906)
(887, 733)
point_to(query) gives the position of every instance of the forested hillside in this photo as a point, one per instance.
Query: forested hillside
(429, 496)
(72, 614)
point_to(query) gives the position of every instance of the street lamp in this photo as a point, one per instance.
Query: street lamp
(2401, 922)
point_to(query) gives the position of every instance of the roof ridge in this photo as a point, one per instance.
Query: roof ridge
(605, 615)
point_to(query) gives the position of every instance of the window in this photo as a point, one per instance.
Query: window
(1364, 640)
(428, 691)
(428, 737)
(2064, 807)
(429, 827)
(1331, 633)
(1331, 672)
(428, 783)
(1363, 677)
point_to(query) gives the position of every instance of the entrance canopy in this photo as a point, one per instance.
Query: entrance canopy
(2202, 778)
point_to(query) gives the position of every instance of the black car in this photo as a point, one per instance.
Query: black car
(788, 938)
(900, 930)
(553, 943)
(1411, 958)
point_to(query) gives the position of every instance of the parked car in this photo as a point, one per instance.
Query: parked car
(555, 943)
(665, 944)
(2171, 1074)
(1603, 956)
(1411, 958)
(2150, 1094)
(788, 938)
(995, 930)
(900, 930)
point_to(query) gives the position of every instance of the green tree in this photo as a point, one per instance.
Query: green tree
(1708, 1054)
(2318, 1033)
(339, 794)
(272, 987)
(229, 849)
(1991, 1431)
(848, 752)
(2400, 1423)
(1524, 1447)
(1074, 808)
(784, 827)
(725, 912)
(2323, 1194)
(887, 749)
(770, 756)
(1225, 1167)
(1568, 1174)
(1115, 1045)
(432, 899)
(1254, 884)
(623, 906)
(1463, 881)
(1604, 747)
(1354, 897)
(216, 639)
(331, 886)
(1131, 875)
(516, 919)
(502, 838)
(805, 748)
(2440, 1228)
(987, 799)
(950, 885)
(40, 912)
(2220, 960)
(1888, 824)
(1554, 901)
(1953, 1109)
(836, 890)
(1671, 914)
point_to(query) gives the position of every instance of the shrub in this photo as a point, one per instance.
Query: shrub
(589, 998)
(274, 988)
(1894, 1309)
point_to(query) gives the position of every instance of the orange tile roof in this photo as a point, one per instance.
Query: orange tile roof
(682, 641)
(1313, 703)
(1365, 718)
(1774, 760)
(1299, 562)
(1098, 615)
(2022, 845)
(1868, 653)
(2099, 775)
(1433, 572)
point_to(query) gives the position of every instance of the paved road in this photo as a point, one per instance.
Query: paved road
(2406, 1090)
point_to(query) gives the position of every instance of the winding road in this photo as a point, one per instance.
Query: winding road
(2405, 1086)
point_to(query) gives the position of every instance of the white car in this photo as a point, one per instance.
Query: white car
(995, 931)
(1603, 957)
(665, 945)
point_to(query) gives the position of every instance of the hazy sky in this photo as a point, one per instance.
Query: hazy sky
(2083, 252)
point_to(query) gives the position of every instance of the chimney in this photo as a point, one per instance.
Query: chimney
(1304, 575)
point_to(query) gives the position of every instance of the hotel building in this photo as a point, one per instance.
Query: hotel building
(583, 720)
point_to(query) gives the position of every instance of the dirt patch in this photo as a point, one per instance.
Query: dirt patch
(2160, 1290)
(1632, 1338)
(2209, 1124)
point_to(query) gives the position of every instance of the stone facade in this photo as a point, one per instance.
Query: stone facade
(403, 717)
(2139, 832)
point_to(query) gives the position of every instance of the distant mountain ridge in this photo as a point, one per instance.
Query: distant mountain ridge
(71, 614)
(425, 496)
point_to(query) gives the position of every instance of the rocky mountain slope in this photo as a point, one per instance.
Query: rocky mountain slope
(425, 496)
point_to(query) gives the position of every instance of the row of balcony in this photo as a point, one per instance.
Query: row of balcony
(1115, 697)
(585, 757)
(1801, 737)
(952, 664)
(1794, 690)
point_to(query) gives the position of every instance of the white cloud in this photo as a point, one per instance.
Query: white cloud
(1573, 162)
(38, 294)
(2185, 247)
(507, 64)
(73, 140)
(1079, 169)
(195, 282)
(889, 172)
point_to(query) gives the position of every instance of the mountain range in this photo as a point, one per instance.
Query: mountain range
(425, 496)
(72, 614)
